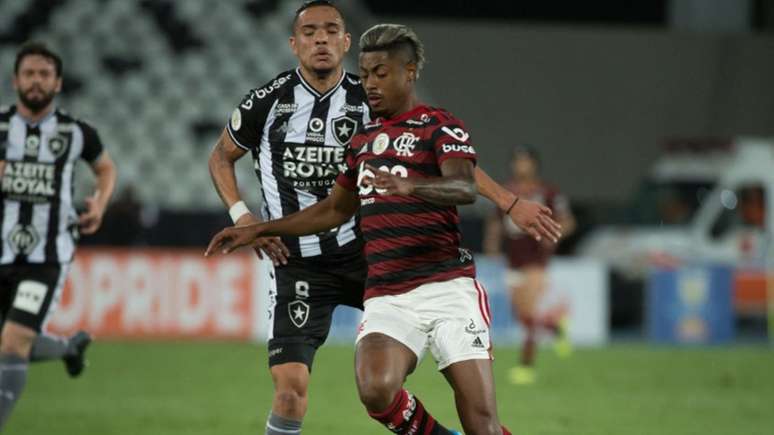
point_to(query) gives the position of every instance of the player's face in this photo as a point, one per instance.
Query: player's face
(388, 82)
(524, 167)
(320, 40)
(36, 82)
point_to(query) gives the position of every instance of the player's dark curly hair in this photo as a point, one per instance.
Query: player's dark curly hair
(394, 37)
(312, 3)
(37, 48)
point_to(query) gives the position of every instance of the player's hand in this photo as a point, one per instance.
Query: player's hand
(535, 219)
(271, 246)
(233, 238)
(90, 220)
(387, 183)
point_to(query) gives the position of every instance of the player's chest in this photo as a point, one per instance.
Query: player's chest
(315, 123)
(21, 143)
(411, 146)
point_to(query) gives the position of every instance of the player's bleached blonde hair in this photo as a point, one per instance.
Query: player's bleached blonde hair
(394, 37)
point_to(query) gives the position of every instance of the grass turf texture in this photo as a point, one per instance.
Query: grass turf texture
(224, 388)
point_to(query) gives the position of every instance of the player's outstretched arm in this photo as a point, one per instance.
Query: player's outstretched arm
(221, 164)
(330, 213)
(105, 172)
(456, 185)
(530, 216)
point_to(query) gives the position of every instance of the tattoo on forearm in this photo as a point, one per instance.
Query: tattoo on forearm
(446, 190)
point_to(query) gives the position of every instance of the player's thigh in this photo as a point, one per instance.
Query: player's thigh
(474, 394)
(460, 332)
(35, 293)
(302, 301)
(527, 294)
(382, 364)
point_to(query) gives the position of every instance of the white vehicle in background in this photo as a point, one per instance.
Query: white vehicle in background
(704, 201)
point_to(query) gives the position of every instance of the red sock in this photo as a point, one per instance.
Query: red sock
(505, 431)
(406, 415)
(550, 323)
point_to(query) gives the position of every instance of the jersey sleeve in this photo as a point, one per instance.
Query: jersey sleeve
(92, 144)
(248, 120)
(348, 178)
(452, 141)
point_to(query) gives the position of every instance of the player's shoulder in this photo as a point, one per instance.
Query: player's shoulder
(352, 82)
(67, 120)
(438, 115)
(271, 90)
(6, 112)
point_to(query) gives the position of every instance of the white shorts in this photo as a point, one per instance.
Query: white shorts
(451, 318)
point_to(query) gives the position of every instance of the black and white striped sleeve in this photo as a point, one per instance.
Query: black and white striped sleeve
(248, 120)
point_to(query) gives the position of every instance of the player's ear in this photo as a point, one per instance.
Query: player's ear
(58, 88)
(411, 69)
(347, 41)
(292, 42)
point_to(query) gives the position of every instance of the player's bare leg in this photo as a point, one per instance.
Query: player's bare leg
(15, 346)
(291, 382)
(381, 366)
(474, 395)
(524, 299)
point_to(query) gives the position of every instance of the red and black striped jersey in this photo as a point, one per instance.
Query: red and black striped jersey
(408, 241)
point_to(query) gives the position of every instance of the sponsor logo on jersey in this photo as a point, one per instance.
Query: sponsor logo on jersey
(405, 144)
(477, 343)
(457, 133)
(344, 129)
(309, 167)
(351, 108)
(236, 119)
(316, 126)
(285, 108)
(298, 312)
(29, 181)
(267, 90)
(381, 143)
(30, 296)
(23, 239)
(458, 148)
(58, 146)
(32, 146)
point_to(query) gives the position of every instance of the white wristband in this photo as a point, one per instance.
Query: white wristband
(238, 210)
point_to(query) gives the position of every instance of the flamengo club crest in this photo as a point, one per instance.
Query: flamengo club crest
(344, 129)
(298, 312)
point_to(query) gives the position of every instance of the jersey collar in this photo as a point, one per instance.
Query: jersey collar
(313, 91)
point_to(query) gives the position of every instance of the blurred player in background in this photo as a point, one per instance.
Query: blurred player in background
(406, 173)
(527, 261)
(40, 145)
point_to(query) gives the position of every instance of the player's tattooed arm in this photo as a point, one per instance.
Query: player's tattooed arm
(456, 186)
(532, 217)
(221, 164)
(325, 215)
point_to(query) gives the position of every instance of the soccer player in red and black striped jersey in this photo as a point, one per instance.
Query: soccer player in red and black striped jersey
(406, 173)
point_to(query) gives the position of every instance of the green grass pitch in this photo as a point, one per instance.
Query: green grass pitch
(223, 388)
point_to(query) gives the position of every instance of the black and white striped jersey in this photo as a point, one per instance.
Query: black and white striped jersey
(297, 138)
(39, 222)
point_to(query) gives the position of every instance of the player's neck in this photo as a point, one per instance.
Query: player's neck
(410, 104)
(32, 117)
(322, 83)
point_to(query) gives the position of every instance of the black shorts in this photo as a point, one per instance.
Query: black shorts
(29, 292)
(303, 295)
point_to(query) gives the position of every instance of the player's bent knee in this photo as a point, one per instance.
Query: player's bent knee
(17, 340)
(378, 391)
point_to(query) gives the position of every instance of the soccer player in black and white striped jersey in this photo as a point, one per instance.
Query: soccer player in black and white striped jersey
(39, 146)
